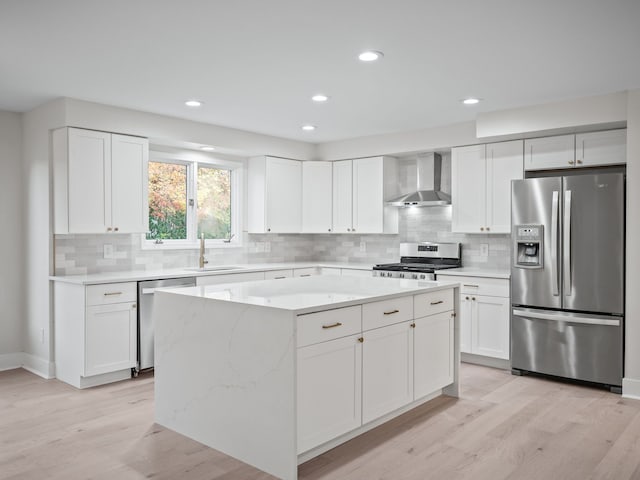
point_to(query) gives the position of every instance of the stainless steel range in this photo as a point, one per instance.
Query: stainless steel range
(420, 260)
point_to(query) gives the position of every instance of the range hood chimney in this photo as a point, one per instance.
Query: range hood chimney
(428, 192)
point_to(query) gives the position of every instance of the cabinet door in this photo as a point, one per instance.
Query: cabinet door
(317, 197)
(549, 152)
(342, 196)
(468, 189)
(368, 195)
(283, 195)
(110, 338)
(466, 318)
(129, 184)
(433, 353)
(601, 148)
(89, 167)
(387, 370)
(490, 329)
(329, 390)
(504, 163)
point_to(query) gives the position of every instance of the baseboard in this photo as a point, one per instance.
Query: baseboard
(10, 361)
(486, 361)
(631, 388)
(39, 366)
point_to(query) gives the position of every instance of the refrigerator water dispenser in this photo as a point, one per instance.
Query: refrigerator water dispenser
(529, 246)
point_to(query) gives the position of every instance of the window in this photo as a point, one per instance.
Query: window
(188, 198)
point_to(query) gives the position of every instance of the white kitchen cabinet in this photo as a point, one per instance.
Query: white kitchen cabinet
(317, 197)
(433, 353)
(95, 332)
(576, 151)
(481, 186)
(484, 315)
(601, 148)
(229, 278)
(329, 390)
(275, 195)
(387, 375)
(360, 188)
(110, 338)
(100, 182)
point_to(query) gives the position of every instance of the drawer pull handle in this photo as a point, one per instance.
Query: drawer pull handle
(391, 312)
(306, 275)
(278, 278)
(438, 302)
(333, 325)
(108, 294)
(470, 285)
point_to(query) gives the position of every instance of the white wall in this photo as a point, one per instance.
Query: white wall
(631, 383)
(11, 251)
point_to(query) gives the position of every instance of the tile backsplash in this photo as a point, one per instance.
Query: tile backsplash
(81, 254)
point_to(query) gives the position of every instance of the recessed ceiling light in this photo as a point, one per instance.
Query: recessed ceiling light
(206, 148)
(319, 98)
(470, 101)
(193, 103)
(308, 128)
(370, 56)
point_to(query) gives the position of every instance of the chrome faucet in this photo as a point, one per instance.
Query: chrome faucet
(202, 261)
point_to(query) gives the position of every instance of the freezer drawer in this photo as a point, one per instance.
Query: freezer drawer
(578, 346)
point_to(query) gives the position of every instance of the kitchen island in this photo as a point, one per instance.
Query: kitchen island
(276, 372)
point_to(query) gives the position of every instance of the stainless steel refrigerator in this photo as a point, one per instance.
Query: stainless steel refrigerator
(567, 276)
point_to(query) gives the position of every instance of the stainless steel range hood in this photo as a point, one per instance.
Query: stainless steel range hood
(428, 192)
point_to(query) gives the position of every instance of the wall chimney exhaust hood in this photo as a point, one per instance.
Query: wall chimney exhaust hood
(428, 192)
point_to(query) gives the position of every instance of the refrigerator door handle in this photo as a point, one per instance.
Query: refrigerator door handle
(554, 242)
(566, 250)
(565, 318)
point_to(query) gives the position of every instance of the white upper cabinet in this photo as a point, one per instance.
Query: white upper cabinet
(275, 195)
(481, 186)
(360, 188)
(575, 151)
(601, 148)
(100, 182)
(342, 196)
(317, 197)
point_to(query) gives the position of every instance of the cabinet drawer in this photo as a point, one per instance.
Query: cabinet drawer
(277, 274)
(494, 287)
(112, 293)
(322, 326)
(431, 303)
(387, 312)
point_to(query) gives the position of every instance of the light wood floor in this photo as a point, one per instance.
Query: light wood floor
(502, 427)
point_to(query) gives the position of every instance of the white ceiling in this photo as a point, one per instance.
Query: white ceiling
(256, 63)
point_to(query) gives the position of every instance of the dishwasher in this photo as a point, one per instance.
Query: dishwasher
(146, 327)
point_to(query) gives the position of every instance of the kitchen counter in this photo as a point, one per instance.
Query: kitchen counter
(476, 272)
(141, 275)
(276, 372)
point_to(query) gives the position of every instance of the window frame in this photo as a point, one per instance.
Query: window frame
(192, 161)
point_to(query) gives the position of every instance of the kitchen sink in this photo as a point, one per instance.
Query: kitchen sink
(218, 268)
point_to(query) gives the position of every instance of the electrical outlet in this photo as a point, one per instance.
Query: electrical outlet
(108, 251)
(267, 247)
(484, 249)
(363, 246)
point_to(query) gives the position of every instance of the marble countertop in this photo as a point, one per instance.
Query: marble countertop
(476, 272)
(141, 275)
(312, 294)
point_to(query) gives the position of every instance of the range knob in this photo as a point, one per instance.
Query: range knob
(422, 276)
(414, 276)
(402, 275)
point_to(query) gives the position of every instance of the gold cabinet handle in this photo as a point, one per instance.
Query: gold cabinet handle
(453, 314)
(570, 162)
(579, 162)
(116, 229)
(438, 302)
(306, 275)
(488, 229)
(333, 325)
(278, 278)
(470, 285)
(361, 339)
(391, 312)
(473, 298)
(413, 325)
(466, 298)
(109, 229)
(133, 306)
(108, 294)
(482, 229)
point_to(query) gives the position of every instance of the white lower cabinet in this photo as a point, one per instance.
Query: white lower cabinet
(433, 350)
(329, 390)
(110, 338)
(387, 375)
